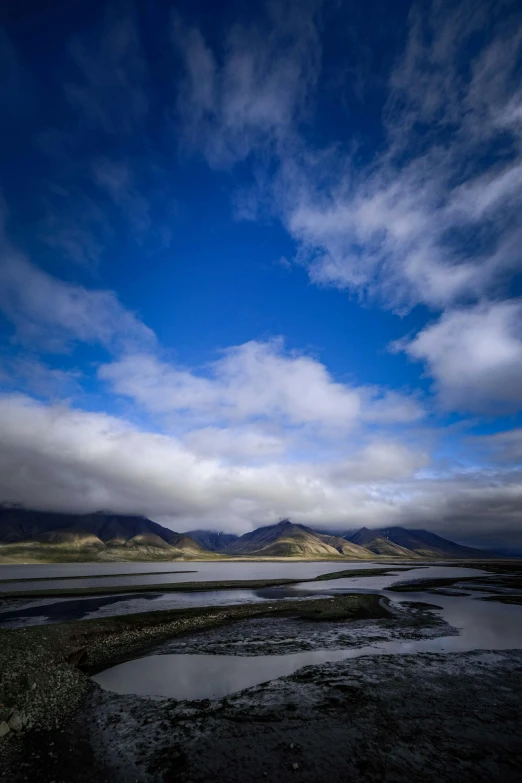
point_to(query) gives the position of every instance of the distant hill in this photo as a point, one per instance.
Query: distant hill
(20, 524)
(402, 542)
(428, 544)
(345, 547)
(282, 540)
(36, 535)
(186, 543)
(375, 542)
(148, 540)
(70, 537)
(213, 542)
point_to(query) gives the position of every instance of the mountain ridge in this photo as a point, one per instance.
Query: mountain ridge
(31, 534)
(119, 536)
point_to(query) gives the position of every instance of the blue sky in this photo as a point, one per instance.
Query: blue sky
(263, 261)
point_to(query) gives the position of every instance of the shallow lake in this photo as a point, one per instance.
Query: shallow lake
(482, 626)
(51, 576)
(36, 611)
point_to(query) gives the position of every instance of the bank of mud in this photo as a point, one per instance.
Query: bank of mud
(40, 666)
(392, 719)
(502, 580)
(388, 718)
(44, 668)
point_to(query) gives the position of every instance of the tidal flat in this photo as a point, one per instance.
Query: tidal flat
(386, 697)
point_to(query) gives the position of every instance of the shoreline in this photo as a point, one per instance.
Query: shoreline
(191, 587)
(39, 664)
(430, 716)
(386, 718)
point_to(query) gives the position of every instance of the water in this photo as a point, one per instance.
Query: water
(109, 574)
(18, 612)
(482, 625)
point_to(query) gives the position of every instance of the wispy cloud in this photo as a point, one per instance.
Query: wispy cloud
(433, 218)
(54, 315)
(251, 93)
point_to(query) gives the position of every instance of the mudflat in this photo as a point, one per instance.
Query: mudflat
(402, 717)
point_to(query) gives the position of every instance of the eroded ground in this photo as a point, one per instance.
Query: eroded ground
(409, 718)
(426, 717)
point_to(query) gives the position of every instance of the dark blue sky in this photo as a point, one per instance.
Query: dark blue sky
(271, 251)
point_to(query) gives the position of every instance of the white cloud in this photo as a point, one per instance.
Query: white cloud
(54, 314)
(259, 382)
(60, 458)
(433, 218)
(379, 461)
(475, 356)
(237, 444)
(57, 457)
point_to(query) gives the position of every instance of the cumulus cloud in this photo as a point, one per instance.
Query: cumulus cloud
(252, 93)
(54, 315)
(256, 381)
(52, 456)
(475, 356)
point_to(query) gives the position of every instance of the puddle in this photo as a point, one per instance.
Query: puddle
(188, 676)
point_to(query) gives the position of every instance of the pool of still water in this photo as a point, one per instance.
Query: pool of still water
(482, 625)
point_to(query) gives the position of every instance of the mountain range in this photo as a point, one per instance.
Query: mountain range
(106, 536)
(100, 535)
(291, 540)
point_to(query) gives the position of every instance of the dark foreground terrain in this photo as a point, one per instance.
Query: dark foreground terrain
(425, 717)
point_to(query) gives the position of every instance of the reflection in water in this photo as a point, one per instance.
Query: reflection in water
(105, 574)
(482, 626)
(182, 676)
(41, 611)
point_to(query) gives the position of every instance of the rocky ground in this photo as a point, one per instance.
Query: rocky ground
(42, 687)
(408, 718)
(428, 717)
